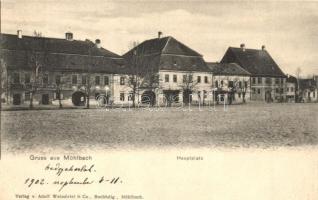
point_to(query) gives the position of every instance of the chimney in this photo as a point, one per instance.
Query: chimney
(98, 43)
(69, 36)
(19, 33)
(263, 47)
(159, 34)
(242, 46)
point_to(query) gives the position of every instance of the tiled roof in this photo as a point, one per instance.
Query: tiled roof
(165, 54)
(227, 69)
(257, 62)
(61, 54)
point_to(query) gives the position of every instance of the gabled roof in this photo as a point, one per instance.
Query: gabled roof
(165, 53)
(307, 84)
(291, 79)
(228, 69)
(61, 54)
(257, 62)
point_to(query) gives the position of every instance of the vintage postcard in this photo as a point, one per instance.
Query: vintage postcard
(159, 100)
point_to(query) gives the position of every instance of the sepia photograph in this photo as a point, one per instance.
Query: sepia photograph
(197, 86)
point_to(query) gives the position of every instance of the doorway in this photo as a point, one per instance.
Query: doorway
(16, 99)
(45, 99)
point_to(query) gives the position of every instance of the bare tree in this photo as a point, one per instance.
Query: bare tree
(37, 33)
(36, 62)
(188, 85)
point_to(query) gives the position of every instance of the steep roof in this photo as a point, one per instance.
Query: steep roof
(291, 79)
(61, 54)
(257, 62)
(165, 53)
(227, 69)
(307, 84)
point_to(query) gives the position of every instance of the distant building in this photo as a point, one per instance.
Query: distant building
(230, 82)
(52, 71)
(268, 82)
(291, 89)
(308, 90)
(183, 76)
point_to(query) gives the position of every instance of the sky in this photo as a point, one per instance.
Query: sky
(288, 29)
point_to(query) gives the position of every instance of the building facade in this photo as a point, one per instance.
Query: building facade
(231, 83)
(268, 82)
(64, 72)
(182, 74)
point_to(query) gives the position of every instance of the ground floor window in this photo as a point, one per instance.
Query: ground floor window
(16, 99)
(27, 96)
(122, 96)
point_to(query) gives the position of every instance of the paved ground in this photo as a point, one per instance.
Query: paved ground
(250, 125)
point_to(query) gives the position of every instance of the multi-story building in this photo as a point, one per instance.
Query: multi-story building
(291, 88)
(182, 75)
(40, 70)
(268, 82)
(231, 83)
(308, 90)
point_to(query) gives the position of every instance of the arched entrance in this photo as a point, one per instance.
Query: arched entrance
(79, 98)
(148, 97)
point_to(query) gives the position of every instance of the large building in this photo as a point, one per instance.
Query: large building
(182, 74)
(268, 82)
(40, 70)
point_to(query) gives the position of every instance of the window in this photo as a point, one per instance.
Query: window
(253, 80)
(84, 79)
(58, 79)
(74, 79)
(27, 96)
(184, 78)
(27, 78)
(58, 95)
(268, 80)
(190, 78)
(254, 90)
(45, 79)
(106, 80)
(259, 80)
(245, 84)
(231, 84)
(287, 89)
(167, 78)
(122, 96)
(281, 90)
(258, 91)
(206, 80)
(97, 80)
(216, 84)
(239, 95)
(16, 78)
(199, 79)
(277, 90)
(240, 84)
(292, 89)
(122, 80)
(277, 80)
(222, 83)
(174, 78)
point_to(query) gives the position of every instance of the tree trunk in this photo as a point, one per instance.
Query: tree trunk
(31, 100)
(87, 104)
